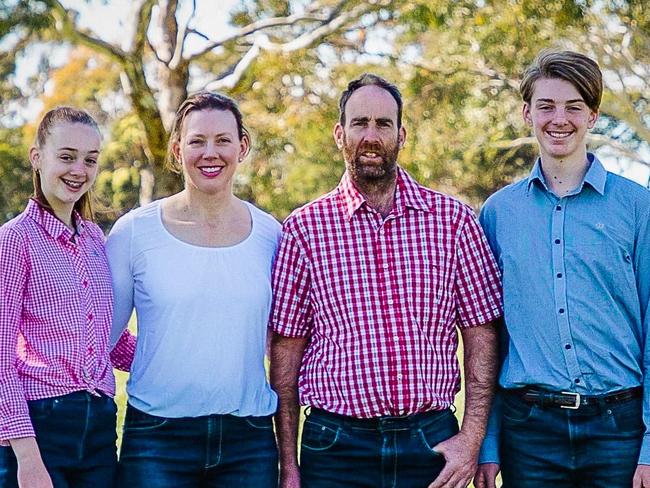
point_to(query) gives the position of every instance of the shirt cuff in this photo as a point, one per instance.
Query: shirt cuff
(123, 352)
(489, 452)
(644, 456)
(16, 429)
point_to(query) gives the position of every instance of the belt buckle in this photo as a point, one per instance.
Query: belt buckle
(576, 405)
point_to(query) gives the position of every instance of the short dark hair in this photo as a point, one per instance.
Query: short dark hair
(370, 79)
(579, 70)
(53, 117)
(202, 100)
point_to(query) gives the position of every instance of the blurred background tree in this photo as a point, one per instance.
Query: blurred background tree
(457, 64)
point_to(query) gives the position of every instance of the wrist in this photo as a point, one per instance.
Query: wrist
(25, 449)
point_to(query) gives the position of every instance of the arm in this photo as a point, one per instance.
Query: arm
(123, 352)
(286, 357)
(480, 364)
(16, 427)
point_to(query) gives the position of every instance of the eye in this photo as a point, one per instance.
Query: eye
(195, 142)
(66, 158)
(545, 108)
(223, 140)
(384, 123)
(90, 162)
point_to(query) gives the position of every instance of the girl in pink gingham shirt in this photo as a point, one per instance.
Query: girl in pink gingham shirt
(56, 379)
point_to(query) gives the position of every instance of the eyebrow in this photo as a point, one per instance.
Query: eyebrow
(550, 100)
(367, 119)
(73, 149)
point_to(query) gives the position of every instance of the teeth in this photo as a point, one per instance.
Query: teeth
(559, 135)
(73, 184)
(211, 169)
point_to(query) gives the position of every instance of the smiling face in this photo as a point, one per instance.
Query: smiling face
(210, 149)
(370, 140)
(560, 119)
(67, 164)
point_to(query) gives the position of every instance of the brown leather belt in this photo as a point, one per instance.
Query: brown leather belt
(572, 400)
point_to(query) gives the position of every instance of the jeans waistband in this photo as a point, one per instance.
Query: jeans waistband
(379, 423)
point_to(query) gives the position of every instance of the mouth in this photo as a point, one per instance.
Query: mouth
(210, 171)
(559, 135)
(370, 156)
(72, 185)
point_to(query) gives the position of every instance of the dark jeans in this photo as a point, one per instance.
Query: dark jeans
(596, 446)
(197, 452)
(395, 452)
(76, 436)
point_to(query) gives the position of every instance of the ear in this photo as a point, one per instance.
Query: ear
(401, 137)
(593, 117)
(339, 135)
(525, 112)
(35, 158)
(244, 147)
(176, 151)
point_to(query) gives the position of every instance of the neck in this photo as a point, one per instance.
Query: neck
(206, 207)
(64, 214)
(379, 193)
(563, 175)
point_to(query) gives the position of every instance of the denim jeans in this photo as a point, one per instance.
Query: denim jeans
(387, 452)
(596, 446)
(76, 436)
(197, 452)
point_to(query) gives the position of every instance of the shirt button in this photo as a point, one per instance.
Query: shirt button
(561, 310)
(90, 316)
(390, 301)
(399, 376)
(557, 241)
(559, 275)
(558, 208)
(576, 381)
(85, 283)
(567, 346)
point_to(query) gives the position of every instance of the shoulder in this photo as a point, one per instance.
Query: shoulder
(264, 219)
(17, 229)
(311, 212)
(138, 217)
(505, 196)
(633, 191)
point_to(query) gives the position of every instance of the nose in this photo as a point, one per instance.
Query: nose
(560, 116)
(210, 150)
(371, 134)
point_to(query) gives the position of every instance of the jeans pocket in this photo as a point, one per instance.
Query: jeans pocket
(515, 410)
(628, 416)
(136, 420)
(264, 422)
(318, 437)
(435, 431)
(41, 409)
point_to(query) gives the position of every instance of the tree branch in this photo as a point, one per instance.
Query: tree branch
(232, 75)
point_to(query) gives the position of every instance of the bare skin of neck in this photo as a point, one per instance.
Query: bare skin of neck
(563, 175)
(379, 193)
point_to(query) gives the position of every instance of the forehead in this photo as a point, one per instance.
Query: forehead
(555, 89)
(73, 135)
(210, 121)
(371, 102)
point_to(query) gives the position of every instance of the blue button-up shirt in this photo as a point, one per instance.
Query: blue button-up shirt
(576, 287)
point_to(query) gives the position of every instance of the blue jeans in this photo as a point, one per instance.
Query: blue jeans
(197, 452)
(76, 436)
(385, 452)
(596, 446)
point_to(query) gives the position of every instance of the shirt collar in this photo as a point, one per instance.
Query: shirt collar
(596, 175)
(52, 225)
(407, 194)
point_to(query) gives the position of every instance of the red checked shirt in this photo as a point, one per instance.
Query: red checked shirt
(55, 315)
(380, 298)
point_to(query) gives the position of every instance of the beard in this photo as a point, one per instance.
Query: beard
(371, 172)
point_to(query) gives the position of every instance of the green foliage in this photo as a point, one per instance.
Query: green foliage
(15, 174)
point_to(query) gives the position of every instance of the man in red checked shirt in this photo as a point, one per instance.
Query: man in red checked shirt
(371, 284)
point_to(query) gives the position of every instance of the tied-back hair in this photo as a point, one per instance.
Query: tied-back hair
(55, 116)
(202, 100)
(579, 70)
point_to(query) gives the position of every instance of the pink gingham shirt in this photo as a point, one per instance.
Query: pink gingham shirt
(55, 315)
(380, 299)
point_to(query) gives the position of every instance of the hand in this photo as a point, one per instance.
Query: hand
(32, 474)
(461, 455)
(641, 476)
(486, 475)
(290, 477)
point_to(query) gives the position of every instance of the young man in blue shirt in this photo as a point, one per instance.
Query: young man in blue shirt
(573, 244)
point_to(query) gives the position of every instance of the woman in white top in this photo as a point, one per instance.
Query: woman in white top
(196, 267)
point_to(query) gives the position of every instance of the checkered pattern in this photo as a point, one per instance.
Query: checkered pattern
(55, 315)
(380, 299)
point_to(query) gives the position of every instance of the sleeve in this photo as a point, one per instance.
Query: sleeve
(118, 250)
(642, 273)
(291, 312)
(123, 352)
(478, 282)
(14, 272)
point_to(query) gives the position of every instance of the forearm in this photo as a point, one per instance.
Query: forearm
(26, 449)
(286, 358)
(480, 364)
